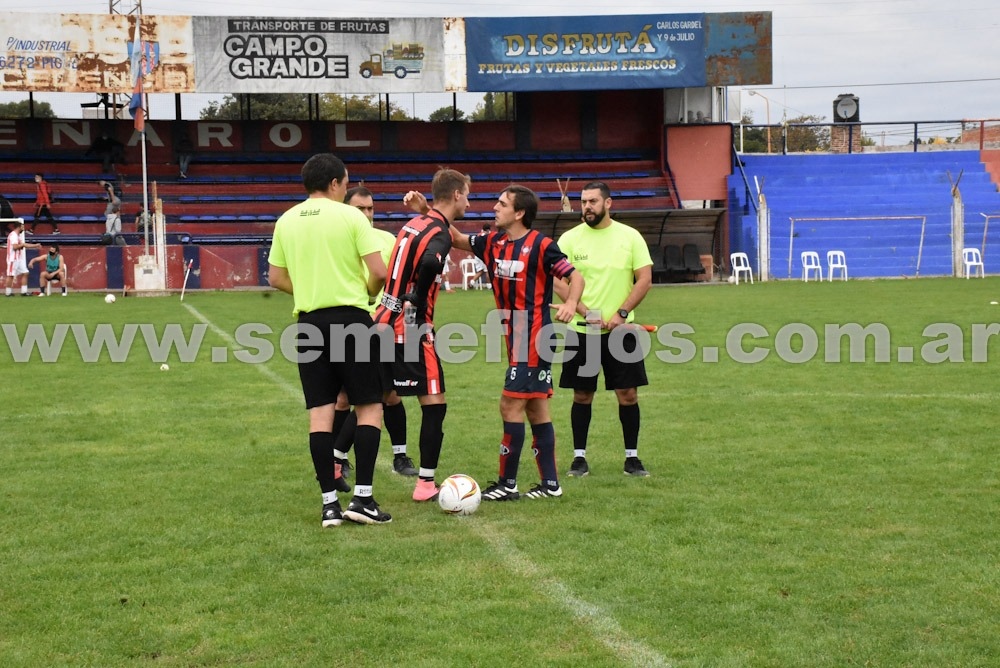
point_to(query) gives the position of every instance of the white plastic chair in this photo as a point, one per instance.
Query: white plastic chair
(468, 268)
(62, 284)
(741, 265)
(973, 260)
(836, 259)
(810, 263)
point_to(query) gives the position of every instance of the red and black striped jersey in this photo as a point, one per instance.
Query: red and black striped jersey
(521, 272)
(427, 233)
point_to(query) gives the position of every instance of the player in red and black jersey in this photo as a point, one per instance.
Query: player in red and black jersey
(411, 289)
(522, 264)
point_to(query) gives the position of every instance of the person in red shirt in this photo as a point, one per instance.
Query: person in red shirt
(407, 308)
(43, 204)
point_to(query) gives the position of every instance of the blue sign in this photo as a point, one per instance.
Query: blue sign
(585, 52)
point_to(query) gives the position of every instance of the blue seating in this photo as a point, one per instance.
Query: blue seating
(885, 193)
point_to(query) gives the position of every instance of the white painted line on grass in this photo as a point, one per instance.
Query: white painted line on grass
(293, 390)
(597, 621)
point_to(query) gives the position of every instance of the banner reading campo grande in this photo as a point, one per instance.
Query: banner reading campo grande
(91, 53)
(319, 55)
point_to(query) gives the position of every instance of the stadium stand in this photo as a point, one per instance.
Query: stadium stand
(235, 199)
(232, 200)
(871, 206)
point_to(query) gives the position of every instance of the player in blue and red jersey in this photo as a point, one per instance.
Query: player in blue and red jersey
(412, 285)
(522, 264)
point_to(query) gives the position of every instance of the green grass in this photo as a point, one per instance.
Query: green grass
(813, 514)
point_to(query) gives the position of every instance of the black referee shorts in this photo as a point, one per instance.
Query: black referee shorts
(338, 349)
(623, 363)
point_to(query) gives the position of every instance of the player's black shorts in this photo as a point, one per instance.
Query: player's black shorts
(528, 382)
(622, 362)
(416, 372)
(328, 359)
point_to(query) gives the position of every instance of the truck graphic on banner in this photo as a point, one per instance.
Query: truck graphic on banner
(400, 59)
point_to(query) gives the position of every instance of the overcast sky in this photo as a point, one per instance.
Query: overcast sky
(907, 60)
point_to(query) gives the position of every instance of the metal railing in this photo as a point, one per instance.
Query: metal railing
(894, 136)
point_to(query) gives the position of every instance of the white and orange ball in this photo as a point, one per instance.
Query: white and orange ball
(459, 494)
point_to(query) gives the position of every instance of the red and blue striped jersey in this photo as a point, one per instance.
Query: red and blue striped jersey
(521, 272)
(420, 235)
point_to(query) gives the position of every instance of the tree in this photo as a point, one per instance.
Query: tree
(262, 107)
(293, 107)
(337, 107)
(803, 139)
(22, 109)
(754, 138)
(446, 114)
(494, 107)
(802, 134)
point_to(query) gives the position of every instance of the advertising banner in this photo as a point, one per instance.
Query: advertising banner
(91, 53)
(585, 52)
(319, 55)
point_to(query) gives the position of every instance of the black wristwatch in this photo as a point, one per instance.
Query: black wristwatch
(623, 314)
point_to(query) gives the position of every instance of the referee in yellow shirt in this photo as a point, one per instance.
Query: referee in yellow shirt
(318, 255)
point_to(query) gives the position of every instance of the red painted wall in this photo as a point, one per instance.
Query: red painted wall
(555, 122)
(629, 119)
(699, 157)
(625, 119)
(227, 266)
(86, 267)
(489, 136)
(414, 136)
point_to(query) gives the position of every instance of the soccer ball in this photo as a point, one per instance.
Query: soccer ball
(109, 298)
(459, 495)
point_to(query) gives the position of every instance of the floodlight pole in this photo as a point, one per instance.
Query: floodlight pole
(767, 110)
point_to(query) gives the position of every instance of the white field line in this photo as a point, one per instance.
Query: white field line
(293, 390)
(601, 625)
(597, 621)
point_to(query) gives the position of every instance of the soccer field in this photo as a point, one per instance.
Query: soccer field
(803, 509)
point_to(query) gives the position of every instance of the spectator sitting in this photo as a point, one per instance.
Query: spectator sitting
(108, 149)
(53, 271)
(185, 151)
